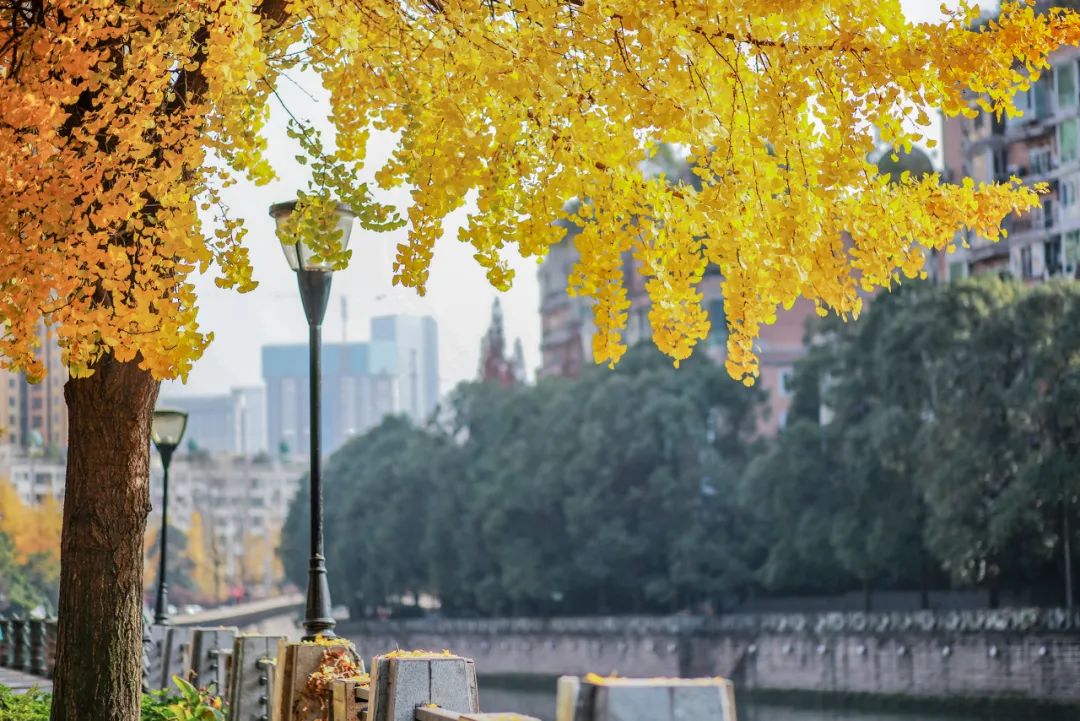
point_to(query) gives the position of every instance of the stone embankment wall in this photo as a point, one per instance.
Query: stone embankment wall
(1028, 653)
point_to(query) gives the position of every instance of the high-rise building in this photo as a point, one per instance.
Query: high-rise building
(359, 387)
(35, 414)
(1042, 145)
(228, 423)
(416, 343)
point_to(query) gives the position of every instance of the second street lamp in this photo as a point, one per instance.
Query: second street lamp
(313, 276)
(166, 431)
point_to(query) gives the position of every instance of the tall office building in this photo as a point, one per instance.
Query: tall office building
(416, 343)
(397, 371)
(359, 387)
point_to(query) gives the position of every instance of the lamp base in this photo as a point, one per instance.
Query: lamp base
(318, 618)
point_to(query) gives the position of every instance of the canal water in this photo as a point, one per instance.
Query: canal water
(536, 697)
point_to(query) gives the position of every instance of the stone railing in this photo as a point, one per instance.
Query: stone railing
(1020, 620)
(28, 645)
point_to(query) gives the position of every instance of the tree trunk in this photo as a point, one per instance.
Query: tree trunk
(99, 639)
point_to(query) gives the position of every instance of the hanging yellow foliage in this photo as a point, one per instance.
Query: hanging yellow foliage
(120, 122)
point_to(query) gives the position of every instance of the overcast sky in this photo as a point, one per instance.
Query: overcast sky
(458, 295)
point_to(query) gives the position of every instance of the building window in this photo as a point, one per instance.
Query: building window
(1065, 80)
(1022, 100)
(1025, 262)
(956, 270)
(1043, 93)
(1067, 140)
(1041, 159)
(1052, 256)
(1071, 251)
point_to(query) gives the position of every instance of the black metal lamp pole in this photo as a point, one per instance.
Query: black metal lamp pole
(166, 431)
(315, 292)
(313, 278)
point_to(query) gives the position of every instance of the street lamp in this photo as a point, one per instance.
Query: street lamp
(166, 431)
(313, 276)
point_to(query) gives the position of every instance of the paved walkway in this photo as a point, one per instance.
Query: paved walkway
(20, 682)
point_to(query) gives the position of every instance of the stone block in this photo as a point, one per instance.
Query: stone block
(176, 653)
(649, 699)
(399, 684)
(251, 675)
(296, 663)
(207, 667)
(153, 656)
(438, 714)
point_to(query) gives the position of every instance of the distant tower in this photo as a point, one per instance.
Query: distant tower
(517, 363)
(494, 365)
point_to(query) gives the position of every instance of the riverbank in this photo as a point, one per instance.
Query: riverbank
(1019, 657)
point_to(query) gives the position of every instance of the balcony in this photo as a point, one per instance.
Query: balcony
(1040, 168)
(1035, 224)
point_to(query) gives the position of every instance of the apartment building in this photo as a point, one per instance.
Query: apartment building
(1042, 145)
(238, 498)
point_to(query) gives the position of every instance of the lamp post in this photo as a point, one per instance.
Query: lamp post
(166, 431)
(313, 275)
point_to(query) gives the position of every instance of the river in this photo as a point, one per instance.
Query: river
(536, 697)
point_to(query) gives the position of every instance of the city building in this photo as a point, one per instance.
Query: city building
(34, 472)
(416, 342)
(242, 503)
(397, 371)
(35, 414)
(567, 328)
(1041, 145)
(358, 388)
(228, 423)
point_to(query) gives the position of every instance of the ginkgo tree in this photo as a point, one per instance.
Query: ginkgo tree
(122, 122)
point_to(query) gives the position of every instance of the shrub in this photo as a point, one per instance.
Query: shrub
(157, 706)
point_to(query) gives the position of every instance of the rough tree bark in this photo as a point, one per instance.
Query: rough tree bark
(99, 641)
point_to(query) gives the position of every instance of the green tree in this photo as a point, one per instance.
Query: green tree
(612, 492)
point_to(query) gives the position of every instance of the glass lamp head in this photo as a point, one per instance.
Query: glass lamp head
(300, 255)
(168, 427)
